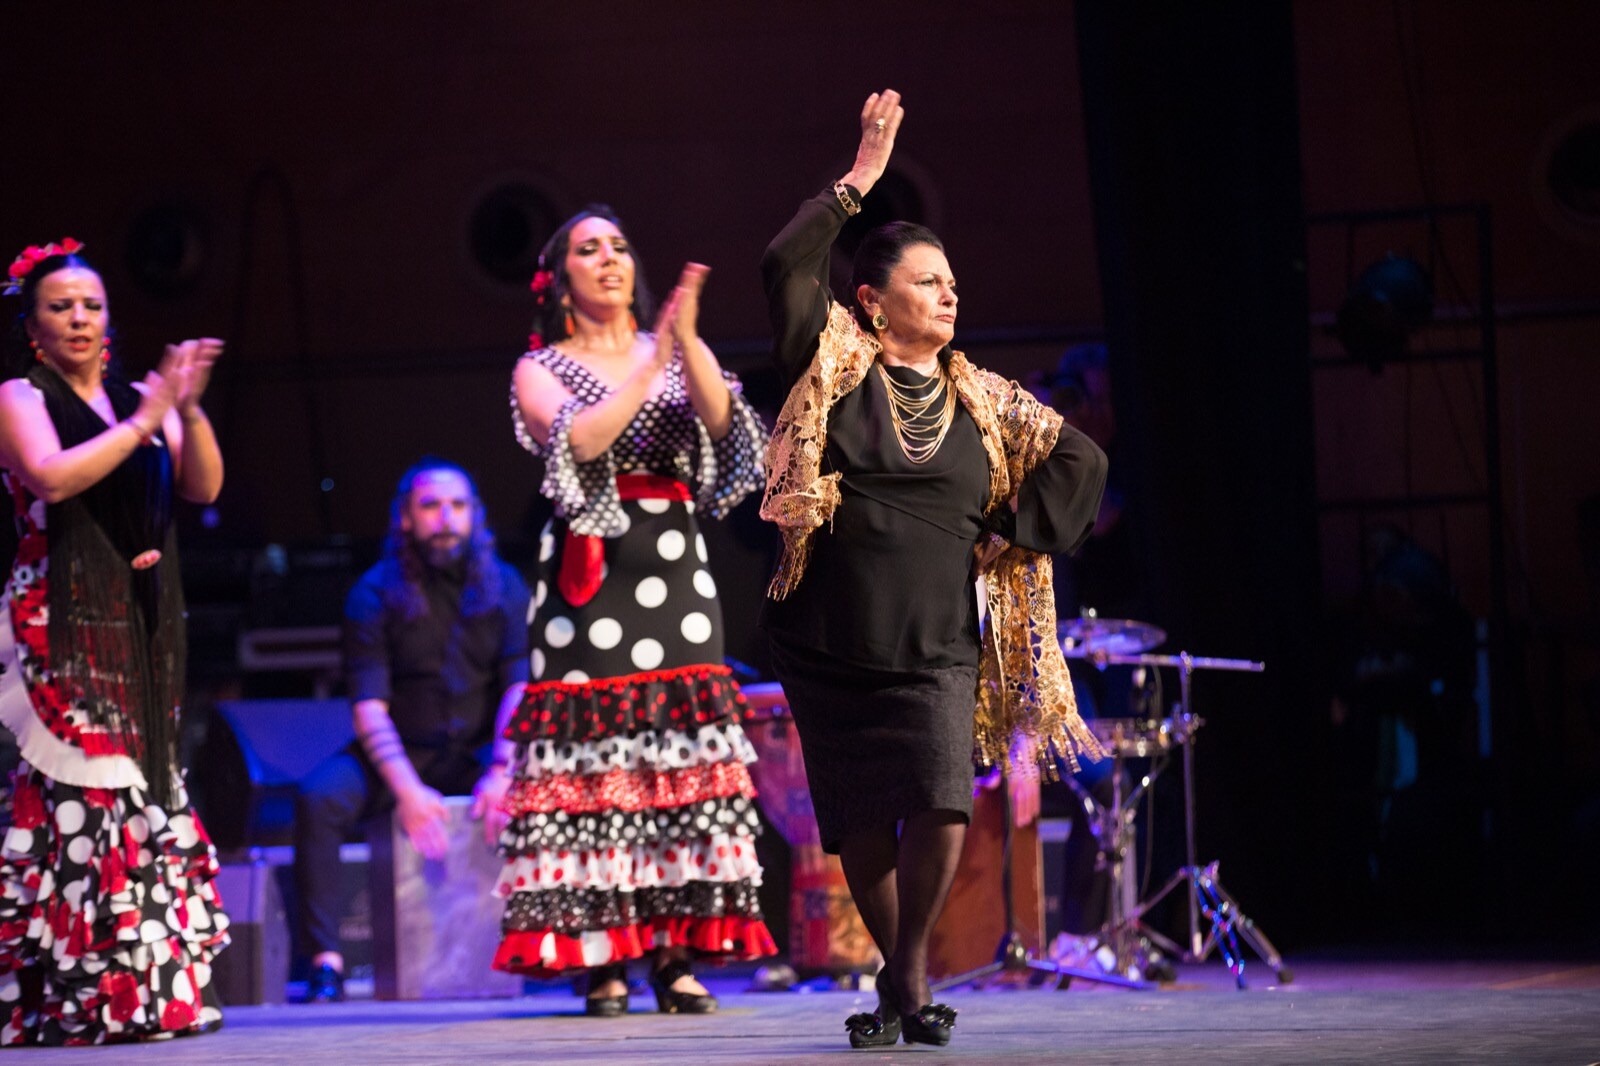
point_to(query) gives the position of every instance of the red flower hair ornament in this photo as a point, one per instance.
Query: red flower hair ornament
(31, 257)
(540, 285)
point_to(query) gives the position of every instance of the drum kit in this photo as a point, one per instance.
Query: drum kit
(1215, 920)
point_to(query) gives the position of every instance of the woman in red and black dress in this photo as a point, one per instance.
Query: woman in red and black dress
(108, 915)
(632, 817)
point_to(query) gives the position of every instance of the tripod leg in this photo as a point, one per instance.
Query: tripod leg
(1257, 939)
(1221, 916)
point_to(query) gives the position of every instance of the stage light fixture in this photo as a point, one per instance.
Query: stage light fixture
(508, 226)
(1390, 299)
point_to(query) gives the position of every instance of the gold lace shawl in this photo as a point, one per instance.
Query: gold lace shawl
(1024, 692)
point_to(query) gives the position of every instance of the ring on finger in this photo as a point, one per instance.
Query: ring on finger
(880, 124)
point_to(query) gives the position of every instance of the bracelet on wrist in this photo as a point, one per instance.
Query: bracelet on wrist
(144, 438)
(847, 199)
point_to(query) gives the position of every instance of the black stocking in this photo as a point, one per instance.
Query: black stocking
(869, 859)
(930, 848)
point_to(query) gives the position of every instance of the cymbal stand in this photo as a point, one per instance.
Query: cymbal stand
(1207, 898)
(1011, 957)
(1112, 826)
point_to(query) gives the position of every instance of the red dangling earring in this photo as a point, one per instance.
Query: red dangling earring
(105, 353)
(38, 356)
(572, 326)
(633, 323)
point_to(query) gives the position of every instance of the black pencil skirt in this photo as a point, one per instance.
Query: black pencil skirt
(878, 745)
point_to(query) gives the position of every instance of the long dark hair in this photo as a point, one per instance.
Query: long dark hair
(550, 314)
(19, 355)
(880, 252)
(482, 590)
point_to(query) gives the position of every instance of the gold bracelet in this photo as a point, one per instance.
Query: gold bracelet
(851, 205)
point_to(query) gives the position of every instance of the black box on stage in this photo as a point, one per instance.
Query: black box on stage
(1053, 833)
(254, 968)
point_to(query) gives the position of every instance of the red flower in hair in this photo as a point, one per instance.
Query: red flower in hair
(542, 280)
(33, 255)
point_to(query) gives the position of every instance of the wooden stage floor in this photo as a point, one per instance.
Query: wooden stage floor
(1337, 1010)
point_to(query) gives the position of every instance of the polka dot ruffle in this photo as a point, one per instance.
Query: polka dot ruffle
(670, 750)
(680, 700)
(109, 901)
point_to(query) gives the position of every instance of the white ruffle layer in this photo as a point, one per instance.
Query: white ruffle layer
(42, 748)
(669, 750)
(658, 864)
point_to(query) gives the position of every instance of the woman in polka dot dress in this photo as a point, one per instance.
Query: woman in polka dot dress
(631, 817)
(108, 915)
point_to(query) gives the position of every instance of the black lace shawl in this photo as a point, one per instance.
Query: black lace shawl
(117, 640)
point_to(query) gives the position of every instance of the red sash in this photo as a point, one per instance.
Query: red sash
(583, 557)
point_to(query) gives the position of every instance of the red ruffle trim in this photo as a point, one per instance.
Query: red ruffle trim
(629, 790)
(728, 937)
(681, 698)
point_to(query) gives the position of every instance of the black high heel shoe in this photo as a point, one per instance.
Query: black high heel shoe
(606, 1006)
(670, 1002)
(880, 1028)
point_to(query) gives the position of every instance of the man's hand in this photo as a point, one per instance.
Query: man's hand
(422, 814)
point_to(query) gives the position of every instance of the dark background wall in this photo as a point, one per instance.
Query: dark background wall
(326, 162)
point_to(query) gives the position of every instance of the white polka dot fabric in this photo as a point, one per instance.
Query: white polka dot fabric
(657, 607)
(666, 437)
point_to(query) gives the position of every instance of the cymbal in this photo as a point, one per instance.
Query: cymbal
(1092, 635)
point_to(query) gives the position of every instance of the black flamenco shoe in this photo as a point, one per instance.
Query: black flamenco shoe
(930, 1025)
(670, 1002)
(606, 1006)
(325, 985)
(880, 1028)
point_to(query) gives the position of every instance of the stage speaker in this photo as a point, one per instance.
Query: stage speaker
(255, 754)
(254, 967)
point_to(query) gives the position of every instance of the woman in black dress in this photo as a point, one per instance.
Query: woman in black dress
(899, 472)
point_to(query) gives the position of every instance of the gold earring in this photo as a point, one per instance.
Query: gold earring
(880, 321)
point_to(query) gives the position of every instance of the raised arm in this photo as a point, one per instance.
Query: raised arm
(794, 269)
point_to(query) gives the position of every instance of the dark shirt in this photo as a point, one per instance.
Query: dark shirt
(889, 582)
(442, 675)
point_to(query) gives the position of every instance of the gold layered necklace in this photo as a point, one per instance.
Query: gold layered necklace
(918, 427)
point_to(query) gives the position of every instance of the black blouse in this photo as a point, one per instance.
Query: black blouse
(889, 584)
(442, 674)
